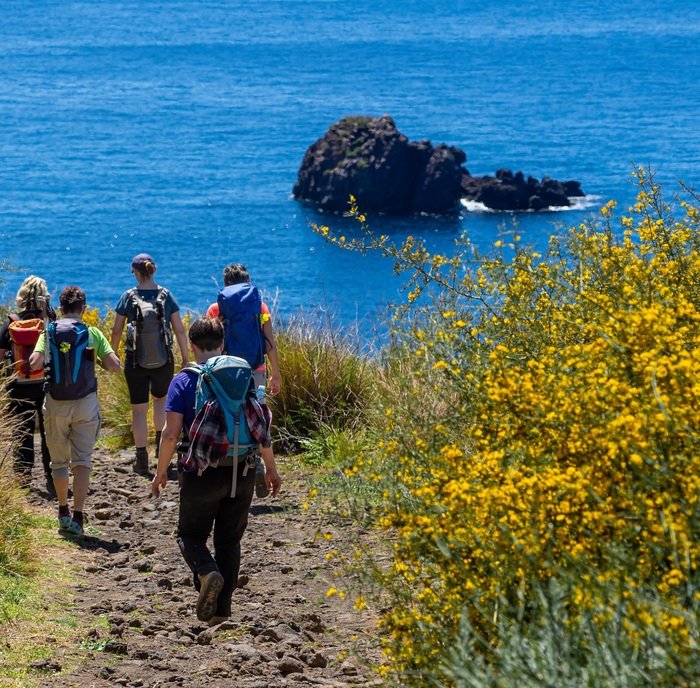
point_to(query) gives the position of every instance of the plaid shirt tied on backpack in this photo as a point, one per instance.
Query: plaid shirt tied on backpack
(208, 440)
(258, 417)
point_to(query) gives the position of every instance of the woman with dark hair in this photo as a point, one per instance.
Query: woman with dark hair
(71, 406)
(152, 316)
(25, 389)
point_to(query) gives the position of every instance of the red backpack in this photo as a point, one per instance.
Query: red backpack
(24, 335)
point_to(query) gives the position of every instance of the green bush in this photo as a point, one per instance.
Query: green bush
(543, 426)
(541, 643)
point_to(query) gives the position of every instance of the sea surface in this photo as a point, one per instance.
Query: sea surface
(177, 127)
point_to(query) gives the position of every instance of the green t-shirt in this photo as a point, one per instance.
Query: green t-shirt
(97, 341)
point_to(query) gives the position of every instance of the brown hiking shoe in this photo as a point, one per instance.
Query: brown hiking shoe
(210, 587)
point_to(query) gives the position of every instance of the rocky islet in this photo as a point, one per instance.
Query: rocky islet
(370, 159)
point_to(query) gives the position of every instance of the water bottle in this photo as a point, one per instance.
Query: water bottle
(261, 394)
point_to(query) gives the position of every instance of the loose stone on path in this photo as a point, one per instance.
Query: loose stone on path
(138, 599)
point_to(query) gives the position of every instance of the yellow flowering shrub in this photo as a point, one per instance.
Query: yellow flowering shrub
(549, 424)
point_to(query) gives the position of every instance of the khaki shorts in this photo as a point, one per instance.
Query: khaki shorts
(72, 428)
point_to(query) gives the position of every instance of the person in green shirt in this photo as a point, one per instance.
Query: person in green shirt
(71, 409)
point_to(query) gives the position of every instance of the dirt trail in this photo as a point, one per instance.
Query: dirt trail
(137, 593)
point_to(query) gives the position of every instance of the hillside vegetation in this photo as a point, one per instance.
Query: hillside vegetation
(526, 448)
(535, 459)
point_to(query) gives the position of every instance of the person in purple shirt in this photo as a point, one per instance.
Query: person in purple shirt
(205, 499)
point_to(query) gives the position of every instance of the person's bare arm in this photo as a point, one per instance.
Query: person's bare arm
(117, 331)
(275, 382)
(180, 336)
(111, 362)
(36, 360)
(168, 445)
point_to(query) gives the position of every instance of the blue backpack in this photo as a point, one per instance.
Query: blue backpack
(239, 308)
(229, 380)
(71, 360)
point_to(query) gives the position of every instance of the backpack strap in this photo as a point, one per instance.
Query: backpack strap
(234, 478)
(160, 301)
(80, 348)
(133, 293)
(53, 350)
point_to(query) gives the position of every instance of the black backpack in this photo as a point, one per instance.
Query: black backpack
(150, 335)
(71, 360)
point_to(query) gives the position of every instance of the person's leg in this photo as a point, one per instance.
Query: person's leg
(81, 485)
(139, 424)
(231, 522)
(45, 453)
(57, 420)
(24, 412)
(199, 504)
(35, 396)
(200, 497)
(138, 381)
(160, 381)
(159, 414)
(85, 429)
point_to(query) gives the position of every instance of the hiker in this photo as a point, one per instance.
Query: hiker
(206, 499)
(236, 294)
(152, 316)
(248, 334)
(71, 408)
(26, 388)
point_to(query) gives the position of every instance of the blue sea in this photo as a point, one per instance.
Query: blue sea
(177, 127)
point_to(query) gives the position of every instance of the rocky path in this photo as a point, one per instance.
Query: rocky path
(136, 593)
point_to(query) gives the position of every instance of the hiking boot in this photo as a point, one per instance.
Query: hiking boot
(261, 489)
(210, 587)
(140, 464)
(217, 620)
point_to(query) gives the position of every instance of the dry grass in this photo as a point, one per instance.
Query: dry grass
(327, 381)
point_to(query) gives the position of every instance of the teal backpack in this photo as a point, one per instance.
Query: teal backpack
(229, 380)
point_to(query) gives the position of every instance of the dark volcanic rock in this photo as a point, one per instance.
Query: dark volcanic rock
(371, 160)
(368, 158)
(508, 191)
